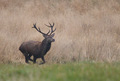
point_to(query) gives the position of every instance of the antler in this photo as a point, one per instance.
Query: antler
(51, 26)
(38, 29)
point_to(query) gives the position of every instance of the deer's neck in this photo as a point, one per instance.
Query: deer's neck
(45, 46)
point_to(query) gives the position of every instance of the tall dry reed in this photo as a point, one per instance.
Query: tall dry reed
(86, 29)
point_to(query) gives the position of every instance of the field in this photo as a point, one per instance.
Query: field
(84, 71)
(87, 39)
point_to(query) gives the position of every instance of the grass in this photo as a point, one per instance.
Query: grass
(87, 30)
(83, 71)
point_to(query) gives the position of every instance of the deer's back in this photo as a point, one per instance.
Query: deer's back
(31, 47)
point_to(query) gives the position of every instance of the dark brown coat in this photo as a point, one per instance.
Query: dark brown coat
(37, 49)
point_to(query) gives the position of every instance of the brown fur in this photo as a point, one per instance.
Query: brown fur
(37, 49)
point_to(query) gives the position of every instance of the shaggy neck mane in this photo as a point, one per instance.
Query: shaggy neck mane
(45, 46)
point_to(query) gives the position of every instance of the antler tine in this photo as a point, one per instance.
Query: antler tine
(48, 32)
(47, 25)
(34, 26)
(38, 29)
(50, 24)
(53, 24)
(54, 29)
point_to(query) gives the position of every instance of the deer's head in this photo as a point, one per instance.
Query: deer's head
(48, 36)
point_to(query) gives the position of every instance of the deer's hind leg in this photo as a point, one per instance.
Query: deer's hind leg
(34, 59)
(25, 54)
(26, 57)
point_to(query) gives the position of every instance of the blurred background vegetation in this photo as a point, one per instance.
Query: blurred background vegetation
(87, 30)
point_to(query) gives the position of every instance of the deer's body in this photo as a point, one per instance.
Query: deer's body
(36, 49)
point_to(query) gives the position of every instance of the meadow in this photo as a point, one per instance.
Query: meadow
(82, 71)
(87, 39)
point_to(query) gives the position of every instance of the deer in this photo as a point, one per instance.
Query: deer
(38, 49)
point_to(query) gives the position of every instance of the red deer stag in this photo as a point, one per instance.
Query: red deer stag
(38, 49)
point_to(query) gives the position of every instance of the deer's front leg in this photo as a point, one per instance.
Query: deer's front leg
(42, 60)
(34, 59)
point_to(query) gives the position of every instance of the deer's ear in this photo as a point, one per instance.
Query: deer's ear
(53, 35)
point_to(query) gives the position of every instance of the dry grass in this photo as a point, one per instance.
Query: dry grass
(86, 29)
